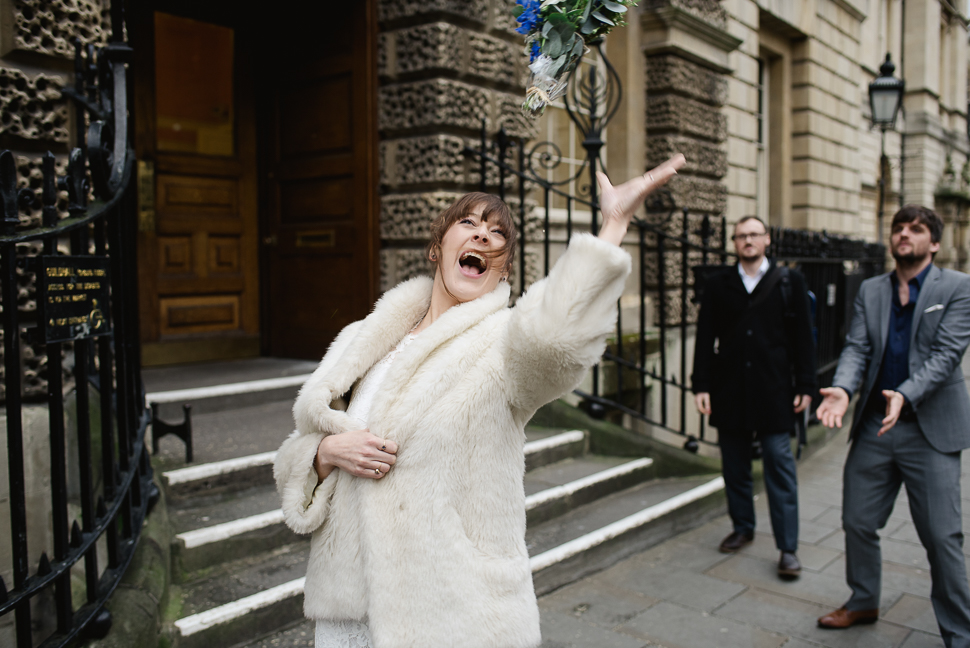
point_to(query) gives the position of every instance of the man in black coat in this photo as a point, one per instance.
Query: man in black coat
(754, 372)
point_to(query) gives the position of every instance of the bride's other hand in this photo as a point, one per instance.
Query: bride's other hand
(618, 204)
(359, 453)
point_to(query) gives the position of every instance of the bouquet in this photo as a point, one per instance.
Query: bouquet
(556, 34)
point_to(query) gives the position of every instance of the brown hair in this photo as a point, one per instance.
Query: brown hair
(751, 218)
(924, 215)
(494, 210)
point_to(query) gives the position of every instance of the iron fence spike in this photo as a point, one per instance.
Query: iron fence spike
(44, 567)
(76, 538)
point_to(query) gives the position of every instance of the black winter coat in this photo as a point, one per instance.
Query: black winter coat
(762, 357)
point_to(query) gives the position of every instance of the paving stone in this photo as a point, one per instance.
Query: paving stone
(812, 557)
(913, 612)
(896, 580)
(904, 553)
(674, 626)
(811, 511)
(790, 617)
(681, 586)
(922, 640)
(564, 631)
(815, 588)
(598, 602)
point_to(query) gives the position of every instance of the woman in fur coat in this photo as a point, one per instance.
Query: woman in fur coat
(414, 494)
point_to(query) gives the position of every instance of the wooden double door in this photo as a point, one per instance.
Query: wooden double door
(256, 142)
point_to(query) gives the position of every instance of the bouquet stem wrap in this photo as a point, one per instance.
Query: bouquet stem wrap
(556, 34)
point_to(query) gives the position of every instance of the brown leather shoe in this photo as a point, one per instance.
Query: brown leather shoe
(844, 618)
(788, 566)
(735, 541)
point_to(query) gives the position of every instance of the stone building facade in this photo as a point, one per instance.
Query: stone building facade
(767, 99)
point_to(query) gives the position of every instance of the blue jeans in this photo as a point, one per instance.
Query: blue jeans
(781, 483)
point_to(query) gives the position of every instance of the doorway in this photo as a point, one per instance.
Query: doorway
(257, 180)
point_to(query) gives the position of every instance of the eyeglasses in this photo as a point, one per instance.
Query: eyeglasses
(749, 237)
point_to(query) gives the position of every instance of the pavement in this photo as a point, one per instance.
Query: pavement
(685, 594)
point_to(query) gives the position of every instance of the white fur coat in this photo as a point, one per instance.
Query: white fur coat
(433, 554)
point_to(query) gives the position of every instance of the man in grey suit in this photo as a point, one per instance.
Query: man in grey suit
(908, 335)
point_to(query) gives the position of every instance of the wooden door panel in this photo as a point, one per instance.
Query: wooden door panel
(304, 129)
(321, 189)
(316, 199)
(187, 315)
(198, 196)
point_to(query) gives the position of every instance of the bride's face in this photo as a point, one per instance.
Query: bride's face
(473, 258)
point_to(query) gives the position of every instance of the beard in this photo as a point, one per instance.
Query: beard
(909, 259)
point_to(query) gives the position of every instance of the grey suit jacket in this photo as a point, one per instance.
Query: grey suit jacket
(940, 335)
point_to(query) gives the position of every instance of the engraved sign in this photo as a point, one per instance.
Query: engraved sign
(73, 297)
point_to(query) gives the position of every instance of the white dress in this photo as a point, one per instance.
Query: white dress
(349, 633)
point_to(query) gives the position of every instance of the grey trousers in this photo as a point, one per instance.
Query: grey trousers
(874, 471)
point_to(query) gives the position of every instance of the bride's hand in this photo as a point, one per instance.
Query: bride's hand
(359, 453)
(617, 204)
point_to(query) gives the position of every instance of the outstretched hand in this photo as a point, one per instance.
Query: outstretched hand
(617, 204)
(835, 401)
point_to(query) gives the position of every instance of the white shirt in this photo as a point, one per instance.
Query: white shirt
(750, 283)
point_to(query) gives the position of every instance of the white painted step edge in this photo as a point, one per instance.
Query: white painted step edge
(610, 531)
(566, 490)
(231, 389)
(564, 438)
(225, 613)
(196, 623)
(226, 530)
(216, 468)
(233, 528)
(189, 474)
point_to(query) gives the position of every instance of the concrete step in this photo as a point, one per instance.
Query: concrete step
(234, 433)
(594, 536)
(222, 527)
(243, 599)
(587, 539)
(296, 636)
(217, 528)
(555, 489)
(543, 446)
(220, 386)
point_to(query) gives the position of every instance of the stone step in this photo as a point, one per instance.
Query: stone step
(543, 446)
(222, 528)
(558, 488)
(237, 601)
(219, 386)
(562, 550)
(594, 536)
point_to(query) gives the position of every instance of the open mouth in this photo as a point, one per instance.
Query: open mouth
(472, 263)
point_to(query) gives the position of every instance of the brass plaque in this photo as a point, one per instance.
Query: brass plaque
(321, 238)
(146, 196)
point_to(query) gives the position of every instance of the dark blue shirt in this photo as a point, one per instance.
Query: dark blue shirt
(895, 361)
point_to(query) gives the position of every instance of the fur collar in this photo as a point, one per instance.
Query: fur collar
(394, 315)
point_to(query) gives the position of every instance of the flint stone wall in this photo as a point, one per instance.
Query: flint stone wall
(445, 68)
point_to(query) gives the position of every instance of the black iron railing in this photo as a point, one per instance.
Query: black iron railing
(82, 268)
(645, 370)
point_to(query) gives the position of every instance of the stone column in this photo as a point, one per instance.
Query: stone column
(686, 46)
(444, 66)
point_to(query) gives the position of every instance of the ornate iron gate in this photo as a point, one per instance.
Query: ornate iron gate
(83, 270)
(668, 246)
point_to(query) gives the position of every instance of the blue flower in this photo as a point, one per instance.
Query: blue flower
(534, 53)
(529, 18)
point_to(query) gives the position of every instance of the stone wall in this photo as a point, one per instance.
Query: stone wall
(834, 49)
(444, 67)
(686, 50)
